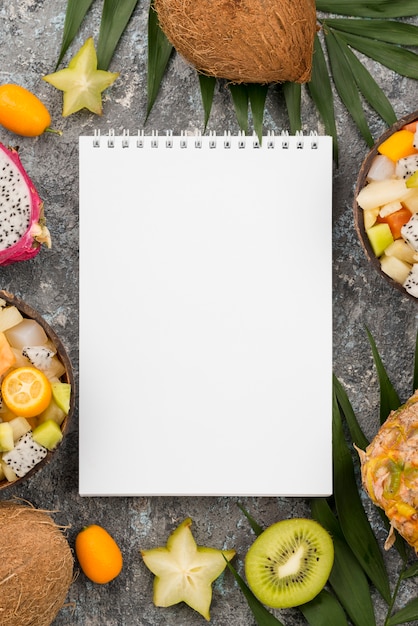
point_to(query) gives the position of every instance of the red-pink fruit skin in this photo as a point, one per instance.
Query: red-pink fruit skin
(26, 248)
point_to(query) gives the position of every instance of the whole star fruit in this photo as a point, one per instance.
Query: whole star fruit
(81, 82)
(184, 571)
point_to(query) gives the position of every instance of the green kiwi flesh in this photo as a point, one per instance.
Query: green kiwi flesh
(289, 563)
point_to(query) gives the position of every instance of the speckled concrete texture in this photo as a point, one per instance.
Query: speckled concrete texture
(30, 38)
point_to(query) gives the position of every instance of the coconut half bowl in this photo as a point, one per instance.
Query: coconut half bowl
(68, 377)
(358, 211)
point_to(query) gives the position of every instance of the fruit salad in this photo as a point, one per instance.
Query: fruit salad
(389, 202)
(34, 400)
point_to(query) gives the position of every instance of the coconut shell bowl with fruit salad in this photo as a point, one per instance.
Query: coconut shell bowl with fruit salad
(386, 205)
(37, 391)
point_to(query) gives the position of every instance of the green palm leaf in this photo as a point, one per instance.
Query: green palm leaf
(324, 608)
(347, 578)
(371, 8)
(370, 89)
(382, 30)
(403, 62)
(159, 52)
(207, 89)
(389, 399)
(320, 90)
(293, 95)
(408, 614)
(74, 15)
(257, 96)
(240, 99)
(345, 83)
(115, 17)
(352, 518)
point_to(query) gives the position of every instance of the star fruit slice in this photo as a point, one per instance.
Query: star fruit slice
(184, 571)
(81, 82)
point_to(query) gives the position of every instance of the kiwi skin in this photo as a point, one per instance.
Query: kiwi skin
(289, 563)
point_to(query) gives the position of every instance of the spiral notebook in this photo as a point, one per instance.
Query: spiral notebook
(205, 315)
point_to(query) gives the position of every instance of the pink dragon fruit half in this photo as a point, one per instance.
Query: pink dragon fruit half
(22, 223)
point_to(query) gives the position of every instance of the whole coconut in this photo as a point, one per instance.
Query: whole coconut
(36, 566)
(244, 41)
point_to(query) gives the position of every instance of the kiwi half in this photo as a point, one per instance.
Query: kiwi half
(289, 563)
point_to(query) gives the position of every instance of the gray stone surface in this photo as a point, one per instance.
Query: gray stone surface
(30, 38)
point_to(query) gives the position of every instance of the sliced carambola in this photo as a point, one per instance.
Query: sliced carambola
(380, 237)
(48, 434)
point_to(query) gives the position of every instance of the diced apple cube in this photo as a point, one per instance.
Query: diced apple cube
(20, 426)
(369, 217)
(6, 437)
(380, 192)
(402, 250)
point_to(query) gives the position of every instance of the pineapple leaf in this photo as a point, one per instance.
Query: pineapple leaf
(261, 615)
(320, 90)
(356, 433)
(159, 52)
(371, 8)
(240, 96)
(207, 89)
(115, 17)
(347, 577)
(389, 399)
(390, 31)
(324, 608)
(345, 83)
(411, 571)
(257, 95)
(74, 15)
(352, 517)
(293, 95)
(408, 613)
(254, 525)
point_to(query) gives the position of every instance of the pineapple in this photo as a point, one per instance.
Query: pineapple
(389, 471)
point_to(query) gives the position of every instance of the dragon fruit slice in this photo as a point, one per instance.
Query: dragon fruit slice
(411, 282)
(44, 359)
(406, 166)
(22, 223)
(409, 231)
(25, 455)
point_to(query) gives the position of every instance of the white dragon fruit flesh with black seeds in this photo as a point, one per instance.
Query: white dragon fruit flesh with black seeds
(25, 455)
(22, 223)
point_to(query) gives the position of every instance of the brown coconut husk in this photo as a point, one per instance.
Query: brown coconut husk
(36, 566)
(243, 41)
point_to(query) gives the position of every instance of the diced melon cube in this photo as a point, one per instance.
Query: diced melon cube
(48, 434)
(380, 237)
(6, 437)
(61, 393)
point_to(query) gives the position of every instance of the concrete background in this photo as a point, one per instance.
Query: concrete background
(30, 37)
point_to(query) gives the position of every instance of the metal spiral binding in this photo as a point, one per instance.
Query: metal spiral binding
(271, 140)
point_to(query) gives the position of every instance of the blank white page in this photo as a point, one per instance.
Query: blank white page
(205, 316)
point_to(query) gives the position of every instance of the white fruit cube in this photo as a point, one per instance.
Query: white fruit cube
(9, 316)
(395, 268)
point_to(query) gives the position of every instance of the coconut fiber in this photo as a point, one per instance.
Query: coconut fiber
(243, 41)
(36, 566)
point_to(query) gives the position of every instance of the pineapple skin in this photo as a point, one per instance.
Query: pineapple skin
(389, 471)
